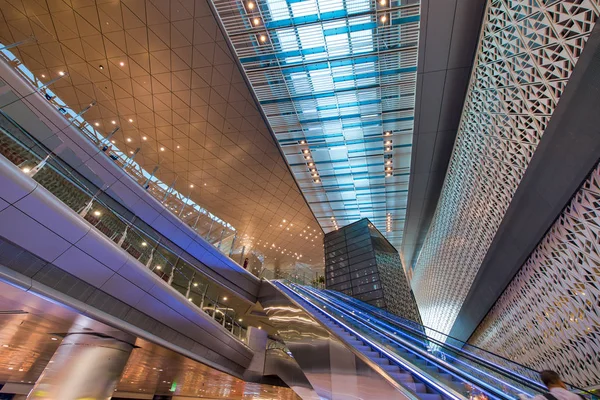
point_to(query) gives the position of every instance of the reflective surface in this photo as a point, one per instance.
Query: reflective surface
(336, 81)
(332, 369)
(29, 325)
(147, 246)
(85, 366)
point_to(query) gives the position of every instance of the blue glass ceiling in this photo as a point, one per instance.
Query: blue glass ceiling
(336, 80)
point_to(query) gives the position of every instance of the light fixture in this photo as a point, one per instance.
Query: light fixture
(43, 76)
(307, 157)
(130, 151)
(250, 5)
(195, 284)
(122, 64)
(144, 244)
(388, 142)
(178, 146)
(317, 181)
(113, 142)
(130, 120)
(190, 299)
(61, 73)
(387, 133)
(113, 122)
(382, 2)
(260, 327)
(162, 149)
(383, 18)
(224, 298)
(97, 213)
(54, 338)
(262, 38)
(387, 175)
(144, 138)
(97, 124)
(388, 168)
(310, 164)
(158, 267)
(129, 140)
(191, 186)
(26, 170)
(305, 151)
(256, 21)
(101, 66)
(239, 320)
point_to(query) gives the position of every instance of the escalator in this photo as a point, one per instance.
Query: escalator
(428, 367)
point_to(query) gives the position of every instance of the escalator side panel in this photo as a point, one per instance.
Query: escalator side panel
(333, 370)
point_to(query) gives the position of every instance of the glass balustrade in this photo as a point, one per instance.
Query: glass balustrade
(146, 246)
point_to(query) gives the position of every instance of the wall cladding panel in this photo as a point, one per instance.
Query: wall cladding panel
(549, 316)
(526, 54)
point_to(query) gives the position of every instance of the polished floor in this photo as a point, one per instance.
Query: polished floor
(31, 329)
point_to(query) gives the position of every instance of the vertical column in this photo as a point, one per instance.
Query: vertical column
(85, 366)
(257, 341)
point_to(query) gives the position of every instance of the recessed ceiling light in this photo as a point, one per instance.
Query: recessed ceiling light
(130, 120)
(130, 151)
(54, 338)
(97, 214)
(178, 147)
(97, 124)
(122, 64)
(225, 298)
(263, 38)
(144, 138)
(129, 140)
(112, 141)
(250, 5)
(101, 66)
(191, 186)
(162, 149)
(158, 267)
(383, 18)
(256, 21)
(61, 73)
(43, 76)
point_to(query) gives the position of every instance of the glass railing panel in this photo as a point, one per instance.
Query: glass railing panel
(150, 252)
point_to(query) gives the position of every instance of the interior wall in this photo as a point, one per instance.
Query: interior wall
(549, 315)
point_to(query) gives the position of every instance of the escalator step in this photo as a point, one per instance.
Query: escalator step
(403, 377)
(429, 396)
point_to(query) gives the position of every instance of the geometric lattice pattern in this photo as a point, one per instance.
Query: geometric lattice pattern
(162, 71)
(527, 51)
(549, 316)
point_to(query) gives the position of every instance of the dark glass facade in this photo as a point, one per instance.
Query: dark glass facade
(360, 262)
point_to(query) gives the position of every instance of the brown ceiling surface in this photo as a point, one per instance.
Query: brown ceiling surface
(165, 66)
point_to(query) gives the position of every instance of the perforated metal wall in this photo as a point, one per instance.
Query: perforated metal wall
(526, 54)
(549, 316)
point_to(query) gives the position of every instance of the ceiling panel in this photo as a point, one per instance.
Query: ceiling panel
(164, 74)
(336, 81)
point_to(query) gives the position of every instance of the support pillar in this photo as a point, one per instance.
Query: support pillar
(257, 341)
(85, 366)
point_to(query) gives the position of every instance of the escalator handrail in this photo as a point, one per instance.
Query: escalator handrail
(448, 391)
(473, 357)
(405, 344)
(392, 319)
